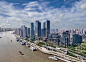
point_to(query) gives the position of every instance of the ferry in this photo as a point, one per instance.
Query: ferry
(21, 53)
(33, 48)
(53, 57)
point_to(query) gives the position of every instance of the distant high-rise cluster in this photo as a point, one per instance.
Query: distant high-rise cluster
(35, 31)
(6, 29)
(23, 31)
(62, 37)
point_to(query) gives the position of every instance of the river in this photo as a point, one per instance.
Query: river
(9, 51)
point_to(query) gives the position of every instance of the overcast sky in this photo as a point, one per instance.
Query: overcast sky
(63, 14)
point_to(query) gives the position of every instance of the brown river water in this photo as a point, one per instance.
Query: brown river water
(9, 51)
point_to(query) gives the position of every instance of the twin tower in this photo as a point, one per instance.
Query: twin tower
(38, 32)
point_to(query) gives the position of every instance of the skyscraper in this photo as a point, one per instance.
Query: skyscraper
(22, 27)
(44, 30)
(81, 31)
(32, 29)
(46, 27)
(37, 29)
(0, 29)
(28, 32)
(18, 31)
(24, 32)
(65, 40)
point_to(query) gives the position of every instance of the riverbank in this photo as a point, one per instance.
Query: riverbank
(61, 56)
(9, 51)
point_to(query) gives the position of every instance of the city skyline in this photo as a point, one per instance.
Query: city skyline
(63, 14)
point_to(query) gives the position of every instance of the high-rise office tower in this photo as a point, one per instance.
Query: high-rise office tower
(81, 31)
(24, 32)
(28, 32)
(46, 27)
(37, 29)
(44, 30)
(22, 27)
(66, 38)
(18, 31)
(32, 29)
(0, 29)
(77, 39)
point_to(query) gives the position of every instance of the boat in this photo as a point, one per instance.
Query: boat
(21, 53)
(33, 48)
(28, 45)
(17, 39)
(23, 43)
(53, 57)
(11, 40)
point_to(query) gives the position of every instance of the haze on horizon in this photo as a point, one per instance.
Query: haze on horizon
(63, 14)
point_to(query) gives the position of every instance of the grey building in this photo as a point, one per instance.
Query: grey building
(37, 29)
(54, 38)
(22, 27)
(28, 32)
(65, 40)
(18, 31)
(42, 32)
(24, 32)
(46, 27)
(81, 31)
(77, 39)
(32, 29)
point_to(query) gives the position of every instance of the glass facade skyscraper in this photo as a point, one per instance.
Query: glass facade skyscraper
(37, 29)
(65, 40)
(22, 27)
(24, 32)
(44, 32)
(46, 27)
(28, 32)
(32, 29)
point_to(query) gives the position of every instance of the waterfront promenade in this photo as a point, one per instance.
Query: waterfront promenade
(61, 56)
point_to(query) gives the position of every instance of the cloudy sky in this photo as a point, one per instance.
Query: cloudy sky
(63, 14)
